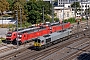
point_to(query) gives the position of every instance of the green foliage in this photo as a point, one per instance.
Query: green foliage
(10, 3)
(71, 20)
(26, 24)
(34, 11)
(77, 5)
(19, 4)
(56, 19)
(4, 6)
(83, 19)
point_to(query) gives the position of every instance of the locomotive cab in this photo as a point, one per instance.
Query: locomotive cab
(11, 36)
(19, 36)
(37, 42)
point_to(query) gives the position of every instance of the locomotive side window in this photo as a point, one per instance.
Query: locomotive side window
(48, 40)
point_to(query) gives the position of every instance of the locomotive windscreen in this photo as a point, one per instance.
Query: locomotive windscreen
(37, 40)
(9, 34)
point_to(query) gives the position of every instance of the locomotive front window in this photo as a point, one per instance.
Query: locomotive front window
(9, 34)
(37, 40)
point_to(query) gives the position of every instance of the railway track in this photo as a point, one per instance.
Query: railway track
(6, 47)
(55, 50)
(16, 51)
(76, 50)
(31, 54)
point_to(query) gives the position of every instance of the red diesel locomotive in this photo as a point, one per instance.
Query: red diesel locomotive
(29, 35)
(11, 36)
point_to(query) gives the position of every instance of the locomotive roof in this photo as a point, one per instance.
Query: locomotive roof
(34, 29)
(29, 29)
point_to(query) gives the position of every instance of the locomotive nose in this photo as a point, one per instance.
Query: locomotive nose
(9, 38)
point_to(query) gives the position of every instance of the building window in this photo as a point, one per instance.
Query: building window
(67, 14)
(82, 9)
(88, 5)
(85, 5)
(72, 9)
(82, 6)
(68, 6)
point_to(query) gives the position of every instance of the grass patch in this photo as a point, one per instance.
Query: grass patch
(1, 39)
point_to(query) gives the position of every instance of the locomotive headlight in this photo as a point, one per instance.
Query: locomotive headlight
(20, 35)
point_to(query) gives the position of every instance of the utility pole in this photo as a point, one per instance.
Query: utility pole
(17, 28)
(43, 15)
(76, 20)
(21, 17)
(86, 15)
(52, 11)
(63, 16)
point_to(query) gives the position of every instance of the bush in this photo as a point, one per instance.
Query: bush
(6, 25)
(71, 20)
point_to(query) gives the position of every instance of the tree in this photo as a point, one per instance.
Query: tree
(17, 5)
(10, 3)
(75, 3)
(34, 10)
(76, 6)
(4, 6)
